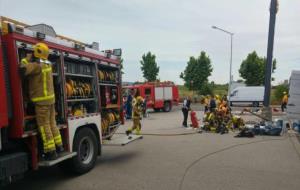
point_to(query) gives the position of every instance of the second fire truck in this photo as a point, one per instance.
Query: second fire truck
(159, 95)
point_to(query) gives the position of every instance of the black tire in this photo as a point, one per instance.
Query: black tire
(157, 109)
(86, 145)
(255, 104)
(167, 107)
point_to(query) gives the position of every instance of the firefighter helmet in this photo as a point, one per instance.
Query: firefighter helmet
(41, 51)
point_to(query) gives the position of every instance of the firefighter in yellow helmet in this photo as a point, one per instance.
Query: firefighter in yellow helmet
(41, 93)
(218, 100)
(137, 108)
(284, 101)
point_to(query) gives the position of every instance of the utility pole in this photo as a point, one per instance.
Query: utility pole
(268, 75)
(230, 67)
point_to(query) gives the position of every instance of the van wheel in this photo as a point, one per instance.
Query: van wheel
(86, 146)
(255, 104)
(167, 107)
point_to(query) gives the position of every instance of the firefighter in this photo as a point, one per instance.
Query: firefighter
(284, 101)
(41, 93)
(206, 102)
(137, 109)
(218, 100)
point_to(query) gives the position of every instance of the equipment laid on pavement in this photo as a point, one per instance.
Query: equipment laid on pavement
(221, 122)
(87, 106)
(194, 119)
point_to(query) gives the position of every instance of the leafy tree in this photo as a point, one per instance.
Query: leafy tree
(253, 69)
(197, 72)
(207, 88)
(149, 67)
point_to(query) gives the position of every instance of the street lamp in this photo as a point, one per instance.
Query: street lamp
(230, 69)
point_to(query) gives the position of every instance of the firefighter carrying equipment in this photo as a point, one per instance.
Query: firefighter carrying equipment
(136, 115)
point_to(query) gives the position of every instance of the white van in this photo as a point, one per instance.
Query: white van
(247, 94)
(293, 106)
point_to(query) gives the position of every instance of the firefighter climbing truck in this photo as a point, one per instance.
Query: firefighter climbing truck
(88, 101)
(159, 95)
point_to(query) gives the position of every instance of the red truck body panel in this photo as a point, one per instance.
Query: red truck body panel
(16, 124)
(3, 99)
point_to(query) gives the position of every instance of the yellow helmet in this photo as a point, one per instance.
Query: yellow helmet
(41, 51)
(284, 92)
(139, 99)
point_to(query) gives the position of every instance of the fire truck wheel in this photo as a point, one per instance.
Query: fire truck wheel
(157, 109)
(167, 107)
(255, 104)
(86, 146)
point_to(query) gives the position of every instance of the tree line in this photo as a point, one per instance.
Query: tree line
(199, 68)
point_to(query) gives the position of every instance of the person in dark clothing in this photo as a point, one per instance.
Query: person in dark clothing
(129, 106)
(185, 110)
(212, 104)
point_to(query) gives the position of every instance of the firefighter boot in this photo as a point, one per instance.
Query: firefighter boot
(138, 131)
(129, 131)
(51, 155)
(60, 149)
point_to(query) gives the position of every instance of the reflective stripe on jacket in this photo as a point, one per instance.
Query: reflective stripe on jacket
(41, 90)
(24, 61)
(137, 107)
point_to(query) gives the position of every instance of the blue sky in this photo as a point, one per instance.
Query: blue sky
(172, 29)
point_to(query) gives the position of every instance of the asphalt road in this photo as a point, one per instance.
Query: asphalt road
(196, 161)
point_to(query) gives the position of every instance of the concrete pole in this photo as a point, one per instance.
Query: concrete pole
(230, 69)
(268, 75)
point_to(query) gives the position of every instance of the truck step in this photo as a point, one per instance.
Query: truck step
(61, 157)
(121, 140)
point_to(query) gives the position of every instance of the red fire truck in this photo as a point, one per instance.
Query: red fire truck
(88, 101)
(159, 95)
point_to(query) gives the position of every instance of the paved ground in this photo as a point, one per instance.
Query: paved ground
(198, 161)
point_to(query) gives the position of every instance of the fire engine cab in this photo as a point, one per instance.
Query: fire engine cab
(88, 103)
(158, 95)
